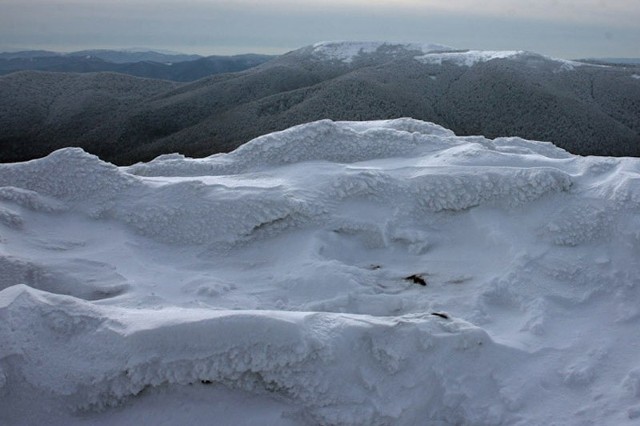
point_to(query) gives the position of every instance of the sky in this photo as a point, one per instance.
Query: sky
(561, 28)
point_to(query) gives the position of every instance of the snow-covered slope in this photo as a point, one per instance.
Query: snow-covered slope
(469, 58)
(347, 51)
(335, 273)
(426, 53)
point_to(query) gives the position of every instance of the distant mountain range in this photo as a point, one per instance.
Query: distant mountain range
(586, 109)
(613, 61)
(149, 64)
(116, 56)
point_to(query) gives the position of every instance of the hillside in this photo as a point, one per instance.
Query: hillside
(586, 109)
(41, 112)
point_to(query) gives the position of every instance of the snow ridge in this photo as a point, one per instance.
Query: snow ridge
(191, 211)
(285, 352)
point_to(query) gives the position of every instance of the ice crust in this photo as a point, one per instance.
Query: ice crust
(309, 358)
(279, 271)
(193, 212)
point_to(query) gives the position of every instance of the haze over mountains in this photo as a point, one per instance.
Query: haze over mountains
(117, 56)
(584, 108)
(149, 64)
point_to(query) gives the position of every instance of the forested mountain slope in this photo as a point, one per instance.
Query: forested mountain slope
(586, 109)
(164, 67)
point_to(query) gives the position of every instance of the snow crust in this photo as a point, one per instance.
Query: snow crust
(346, 51)
(272, 285)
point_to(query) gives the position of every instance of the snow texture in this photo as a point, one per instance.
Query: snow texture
(278, 284)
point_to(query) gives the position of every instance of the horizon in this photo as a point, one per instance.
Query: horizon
(556, 28)
(202, 53)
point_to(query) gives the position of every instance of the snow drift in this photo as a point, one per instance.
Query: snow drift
(286, 271)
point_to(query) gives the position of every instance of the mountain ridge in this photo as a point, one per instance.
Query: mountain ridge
(109, 55)
(140, 64)
(583, 108)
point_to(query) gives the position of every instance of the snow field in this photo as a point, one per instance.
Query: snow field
(436, 54)
(347, 51)
(278, 274)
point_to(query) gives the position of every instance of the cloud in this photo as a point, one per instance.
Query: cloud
(606, 12)
(610, 12)
(554, 27)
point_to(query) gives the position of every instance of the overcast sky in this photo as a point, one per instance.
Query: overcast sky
(562, 28)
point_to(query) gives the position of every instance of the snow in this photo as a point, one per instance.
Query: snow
(468, 58)
(347, 51)
(269, 285)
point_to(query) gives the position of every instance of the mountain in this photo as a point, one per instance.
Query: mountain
(107, 55)
(39, 112)
(127, 56)
(613, 61)
(586, 109)
(166, 67)
(28, 54)
(335, 273)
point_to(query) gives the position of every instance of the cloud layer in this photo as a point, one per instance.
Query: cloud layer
(563, 28)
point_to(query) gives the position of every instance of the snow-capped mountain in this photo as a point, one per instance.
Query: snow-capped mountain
(346, 51)
(586, 109)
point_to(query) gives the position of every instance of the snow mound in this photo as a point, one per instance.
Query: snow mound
(30, 199)
(337, 368)
(82, 279)
(192, 211)
(346, 51)
(339, 142)
(67, 174)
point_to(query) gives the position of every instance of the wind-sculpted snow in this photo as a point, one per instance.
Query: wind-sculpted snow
(335, 273)
(203, 212)
(309, 358)
(341, 142)
(325, 140)
(67, 174)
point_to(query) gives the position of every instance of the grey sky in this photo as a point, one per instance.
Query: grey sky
(562, 28)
